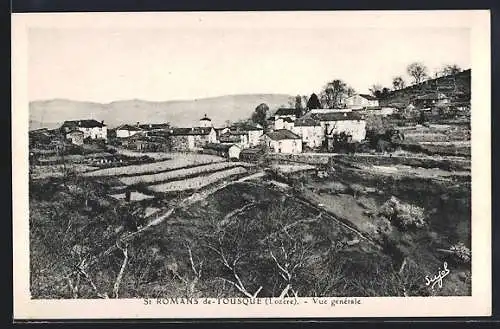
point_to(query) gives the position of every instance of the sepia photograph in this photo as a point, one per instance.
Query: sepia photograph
(244, 157)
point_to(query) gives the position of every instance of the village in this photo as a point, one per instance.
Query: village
(294, 130)
(380, 180)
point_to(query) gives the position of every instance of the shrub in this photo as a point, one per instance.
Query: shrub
(461, 252)
(403, 214)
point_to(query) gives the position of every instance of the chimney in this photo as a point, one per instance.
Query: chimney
(102, 122)
(137, 123)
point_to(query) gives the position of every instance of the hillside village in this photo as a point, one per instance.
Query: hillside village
(289, 130)
(287, 202)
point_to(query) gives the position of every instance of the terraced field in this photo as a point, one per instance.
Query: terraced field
(180, 173)
(156, 167)
(196, 182)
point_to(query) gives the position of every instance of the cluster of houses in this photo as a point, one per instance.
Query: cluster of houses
(289, 130)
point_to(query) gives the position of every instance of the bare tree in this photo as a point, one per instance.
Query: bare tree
(450, 69)
(116, 286)
(417, 71)
(289, 253)
(231, 245)
(334, 92)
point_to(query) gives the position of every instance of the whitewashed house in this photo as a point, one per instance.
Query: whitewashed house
(348, 122)
(310, 130)
(254, 133)
(282, 141)
(92, 129)
(360, 101)
(283, 123)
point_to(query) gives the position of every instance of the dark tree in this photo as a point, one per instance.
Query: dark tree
(298, 103)
(379, 91)
(260, 115)
(398, 83)
(313, 102)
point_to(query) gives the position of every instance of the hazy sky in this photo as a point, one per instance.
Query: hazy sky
(103, 65)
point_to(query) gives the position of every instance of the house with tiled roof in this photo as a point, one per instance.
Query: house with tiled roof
(92, 129)
(284, 118)
(126, 130)
(253, 132)
(282, 141)
(235, 136)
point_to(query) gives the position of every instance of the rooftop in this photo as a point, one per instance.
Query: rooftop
(128, 127)
(368, 97)
(190, 131)
(83, 123)
(282, 134)
(205, 118)
(306, 122)
(219, 146)
(288, 111)
(332, 116)
(148, 126)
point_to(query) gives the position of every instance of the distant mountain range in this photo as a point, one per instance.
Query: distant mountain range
(52, 113)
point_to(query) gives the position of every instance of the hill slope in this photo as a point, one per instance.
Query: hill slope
(456, 87)
(51, 113)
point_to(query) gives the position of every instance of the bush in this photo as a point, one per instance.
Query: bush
(403, 215)
(461, 252)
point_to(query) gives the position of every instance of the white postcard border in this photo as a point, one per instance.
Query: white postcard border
(479, 304)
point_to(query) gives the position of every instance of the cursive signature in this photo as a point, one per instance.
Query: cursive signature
(438, 279)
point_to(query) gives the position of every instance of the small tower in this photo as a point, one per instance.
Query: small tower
(205, 122)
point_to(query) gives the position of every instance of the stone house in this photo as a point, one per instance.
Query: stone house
(230, 151)
(91, 128)
(191, 139)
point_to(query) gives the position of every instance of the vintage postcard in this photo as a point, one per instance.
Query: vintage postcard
(251, 164)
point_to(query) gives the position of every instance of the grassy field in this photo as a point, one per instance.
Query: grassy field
(357, 194)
